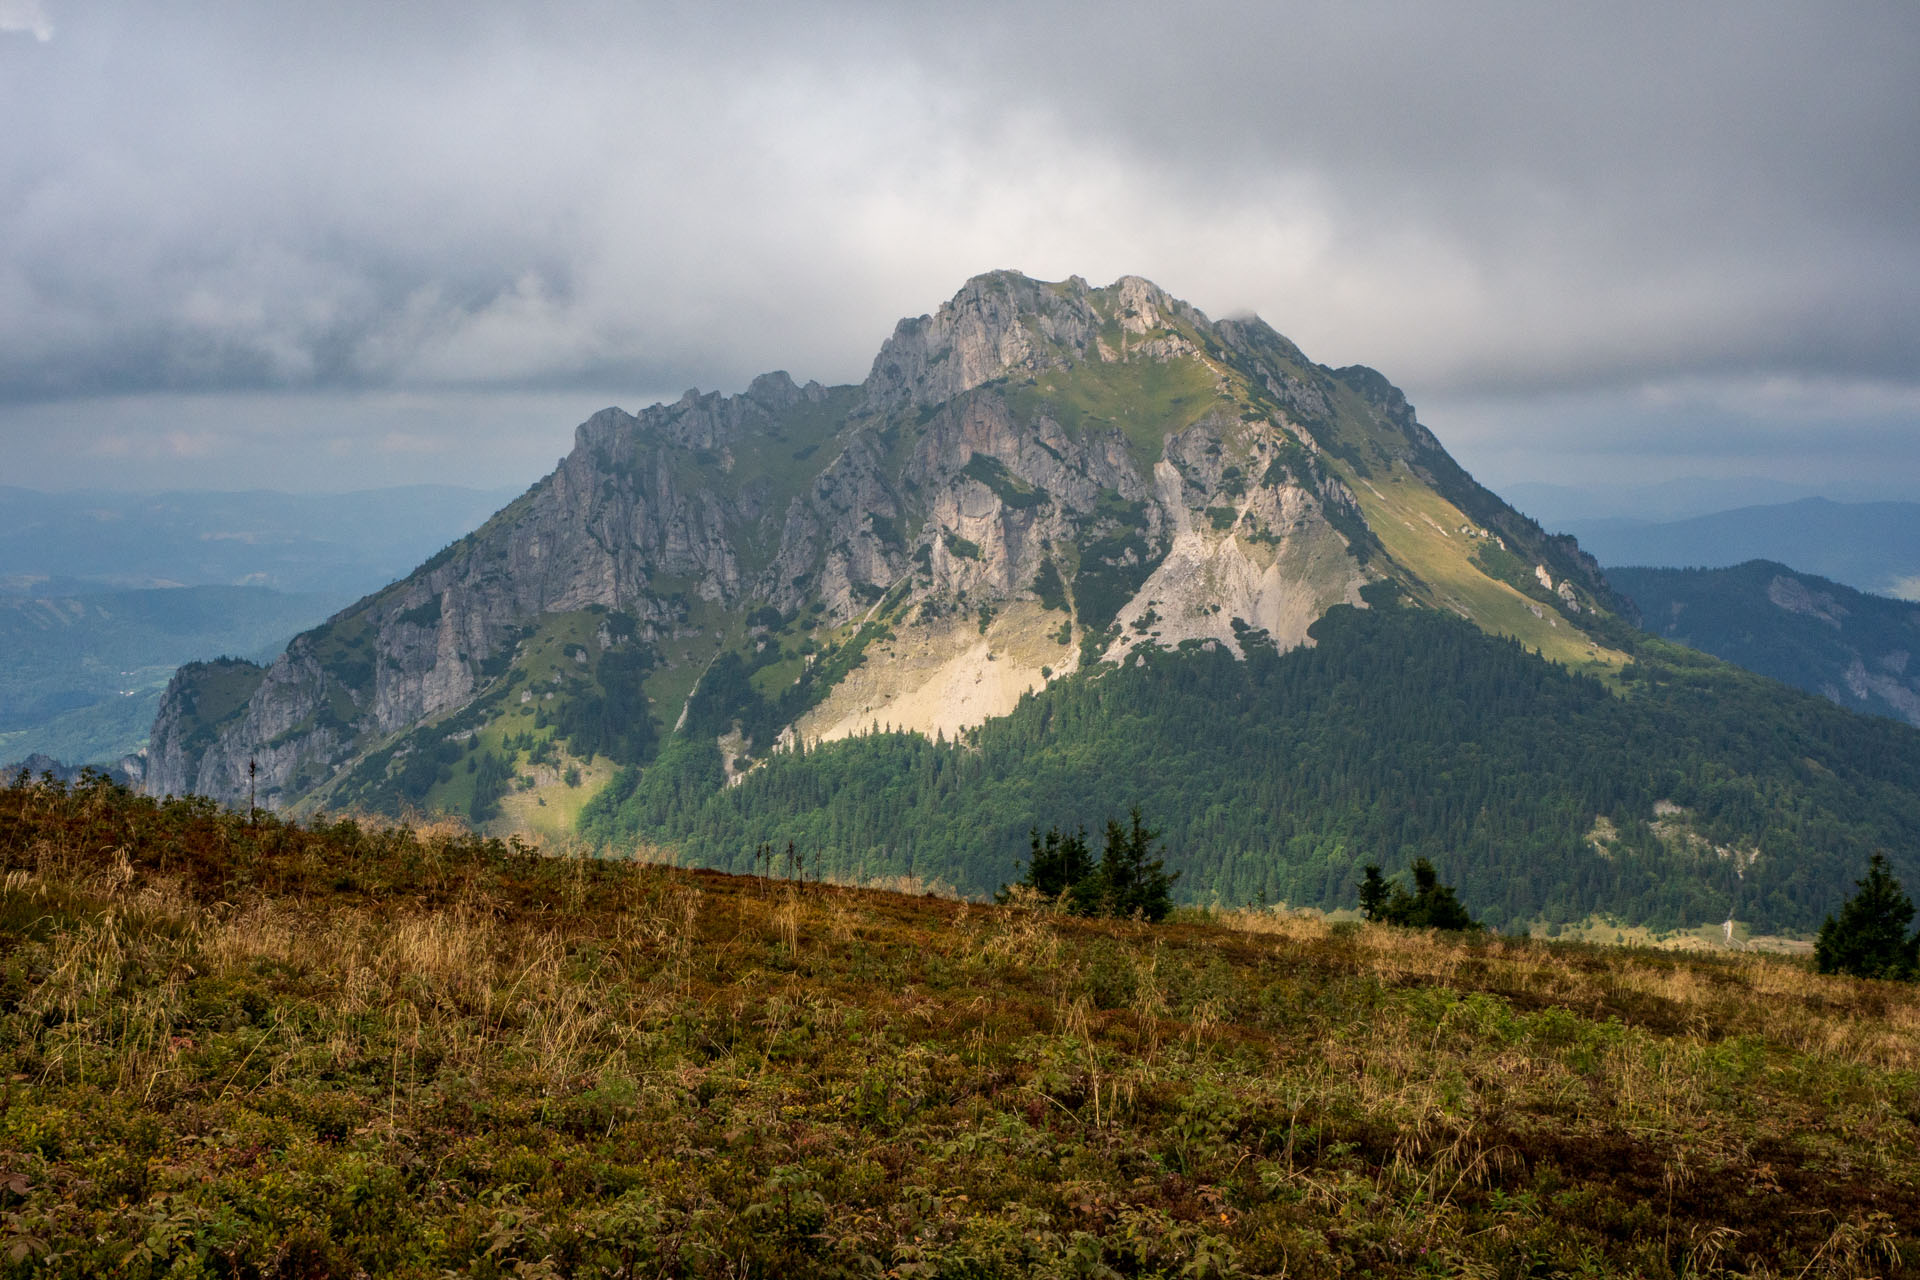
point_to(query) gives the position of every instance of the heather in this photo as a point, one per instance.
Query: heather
(235, 1046)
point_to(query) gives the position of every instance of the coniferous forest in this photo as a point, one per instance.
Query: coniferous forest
(1691, 794)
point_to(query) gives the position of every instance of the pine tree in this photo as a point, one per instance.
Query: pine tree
(1374, 894)
(1868, 939)
(1431, 905)
(1057, 863)
(1130, 880)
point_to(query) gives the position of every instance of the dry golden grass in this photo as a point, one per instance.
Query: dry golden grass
(234, 1050)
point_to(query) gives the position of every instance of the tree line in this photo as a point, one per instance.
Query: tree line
(1129, 881)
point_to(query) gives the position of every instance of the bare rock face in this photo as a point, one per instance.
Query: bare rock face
(1795, 596)
(996, 324)
(1063, 471)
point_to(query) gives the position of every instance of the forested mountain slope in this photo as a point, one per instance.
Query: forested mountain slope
(1700, 794)
(1860, 650)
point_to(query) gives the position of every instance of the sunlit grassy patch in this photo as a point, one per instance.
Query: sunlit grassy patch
(1146, 400)
(1423, 532)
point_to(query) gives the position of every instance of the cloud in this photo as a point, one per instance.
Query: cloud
(151, 445)
(409, 442)
(297, 440)
(1496, 204)
(28, 16)
(1851, 439)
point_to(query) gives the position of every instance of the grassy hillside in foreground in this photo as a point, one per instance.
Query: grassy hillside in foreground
(244, 1050)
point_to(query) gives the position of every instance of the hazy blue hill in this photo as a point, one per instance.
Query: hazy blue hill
(82, 674)
(1557, 505)
(1870, 546)
(1852, 647)
(342, 543)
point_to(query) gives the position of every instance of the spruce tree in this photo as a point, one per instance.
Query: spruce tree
(1374, 894)
(1431, 905)
(1869, 937)
(1055, 864)
(1130, 879)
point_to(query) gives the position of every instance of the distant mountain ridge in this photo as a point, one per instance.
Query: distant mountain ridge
(1869, 546)
(75, 543)
(1859, 650)
(1557, 506)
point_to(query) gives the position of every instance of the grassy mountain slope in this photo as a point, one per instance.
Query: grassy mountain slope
(260, 1049)
(1854, 648)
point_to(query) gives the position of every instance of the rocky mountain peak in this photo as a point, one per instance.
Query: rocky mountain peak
(1141, 306)
(1005, 324)
(983, 332)
(1035, 477)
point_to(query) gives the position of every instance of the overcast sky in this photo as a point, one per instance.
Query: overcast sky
(345, 245)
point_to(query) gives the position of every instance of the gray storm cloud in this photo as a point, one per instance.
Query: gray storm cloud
(1489, 202)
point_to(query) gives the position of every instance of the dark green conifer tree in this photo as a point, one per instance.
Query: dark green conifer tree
(1374, 894)
(1055, 864)
(1869, 937)
(491, 780)
(1431, 905)
(1130, 879)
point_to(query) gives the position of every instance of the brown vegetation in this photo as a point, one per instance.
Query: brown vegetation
(259, 1049)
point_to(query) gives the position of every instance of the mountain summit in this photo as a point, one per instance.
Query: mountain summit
(1035, 478)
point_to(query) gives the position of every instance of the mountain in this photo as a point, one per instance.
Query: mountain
(83, 674)
(1032, 479)
(1804, 630)
(1870, 546)
(1560, 506)
(343, 544)
(1063, 548)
